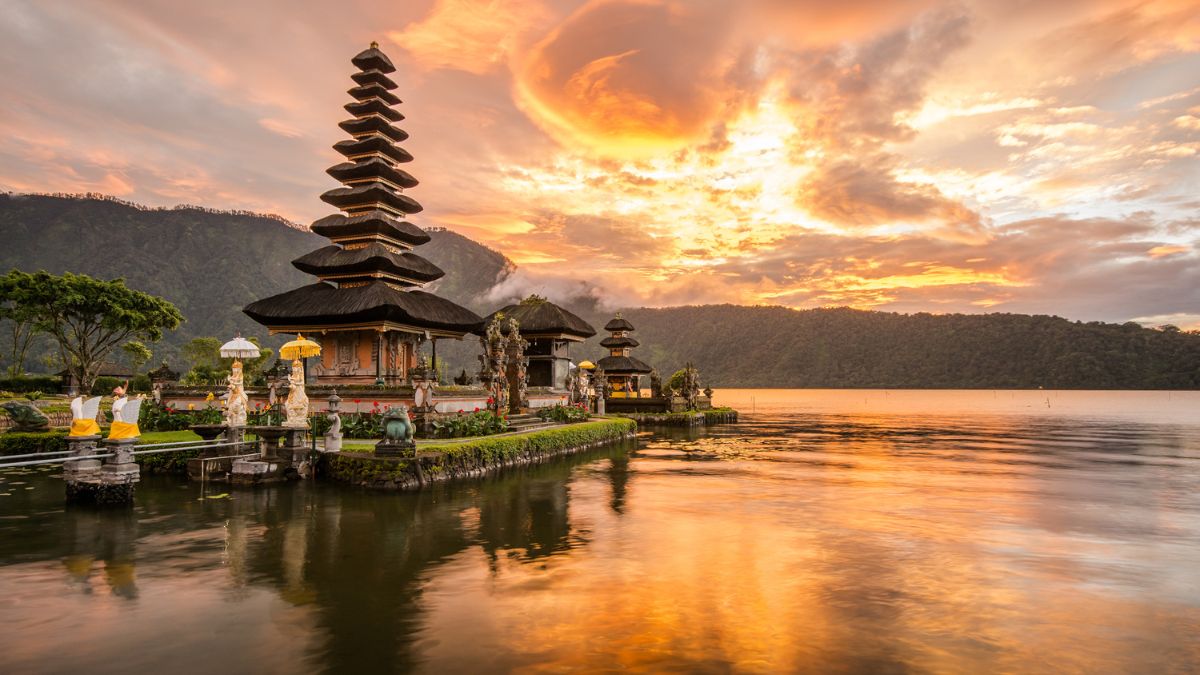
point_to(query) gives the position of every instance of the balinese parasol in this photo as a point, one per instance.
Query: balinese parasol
(240, 348)
(587, 365)
(300, 348)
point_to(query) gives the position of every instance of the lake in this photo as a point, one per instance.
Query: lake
(829, 531)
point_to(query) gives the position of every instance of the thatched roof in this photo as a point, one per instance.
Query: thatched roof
(618, 323)
(613, 342)
(374, 257)
(364, 125)
(323, 304)
(373, 167)
(621, 365)
(366, 91)
(373, 105)
(545, 318)
(370, 195)
(368, 224)
(362, 146)
(374, 77)
(373, 59)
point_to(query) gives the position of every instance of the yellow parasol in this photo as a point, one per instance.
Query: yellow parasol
(300, 348)
(587, 365)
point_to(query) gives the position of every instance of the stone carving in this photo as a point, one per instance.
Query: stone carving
(424, 383)
(691, 385)
(333, 437)
(125, 413)
(296, 406)
(463, 379)
(397, 432)
(603, 387)
(26, 417)
(708, 392)
(83, 416)
(518, 366)
(238, 403)
(656, 390)
(579, 386)
(493, 366)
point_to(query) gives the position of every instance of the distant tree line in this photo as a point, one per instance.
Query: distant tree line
(99, 196)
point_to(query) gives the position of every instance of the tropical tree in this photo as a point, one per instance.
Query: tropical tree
(88, 318)
(20, 325)
(137, 352)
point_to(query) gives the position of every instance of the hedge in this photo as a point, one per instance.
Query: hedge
(25, 442)
(47, 384)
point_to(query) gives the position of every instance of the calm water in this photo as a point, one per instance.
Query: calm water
(843, 531)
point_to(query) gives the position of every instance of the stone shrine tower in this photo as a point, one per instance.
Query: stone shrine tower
(367, 308)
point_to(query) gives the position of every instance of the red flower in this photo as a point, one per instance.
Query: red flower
(375, 404)
(490, 400)
(357, 400)
(477, 407)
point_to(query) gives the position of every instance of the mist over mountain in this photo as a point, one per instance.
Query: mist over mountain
(212, 263)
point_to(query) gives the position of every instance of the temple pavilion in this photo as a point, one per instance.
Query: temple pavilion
(550, 330)
(624, 372)
(367, 308)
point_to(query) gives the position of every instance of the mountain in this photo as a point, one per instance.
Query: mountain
(211, 264)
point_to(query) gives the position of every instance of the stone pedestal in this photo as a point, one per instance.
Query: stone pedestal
(256, 471)
(112, 482)
(274, 462)
(295, 445)
(388, 448)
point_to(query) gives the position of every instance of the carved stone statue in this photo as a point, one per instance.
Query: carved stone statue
(603, 387)
(518, 366)
(397, 432)
(83, 416)
(297, 401)
(156, 392)
(579, 386)
(333, 437)
(125, 412)
(691, 386)
(493, 364)
(656, 390)
(424, 383)
(238, 403)
(26, 417)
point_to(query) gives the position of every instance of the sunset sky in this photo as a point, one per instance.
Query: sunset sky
(906, 155)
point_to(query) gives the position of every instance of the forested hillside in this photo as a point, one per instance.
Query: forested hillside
(779, 347)
(211, 264)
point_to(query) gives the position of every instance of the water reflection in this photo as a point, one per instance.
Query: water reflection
(844, 541)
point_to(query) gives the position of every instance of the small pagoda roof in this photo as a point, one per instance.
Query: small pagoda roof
(373, 124)
(374, 167)
(374, 77)
(370, 195)
(618, 323)
(373, 106)
(613, 342)
(373, 144)
(376, 302)
(371, 223)
(373, 59)
(373, 257)
(369, 91)
(622, 365)
(546, 319)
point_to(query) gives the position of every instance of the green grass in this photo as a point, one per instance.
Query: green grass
(167, 437)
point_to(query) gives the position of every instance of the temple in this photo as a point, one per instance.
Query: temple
(622, 370)
(550, 330)
(367, 307)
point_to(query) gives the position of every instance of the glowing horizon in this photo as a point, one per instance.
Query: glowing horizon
(907, 156)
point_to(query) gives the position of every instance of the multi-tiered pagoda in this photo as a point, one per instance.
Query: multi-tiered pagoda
(624, 372)
(367, 307)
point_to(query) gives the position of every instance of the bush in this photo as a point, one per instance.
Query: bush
(104, 385)
(565, 413)
(21, 443)
(31, 383)
(479, 423)
(141, 383)
(156, 417)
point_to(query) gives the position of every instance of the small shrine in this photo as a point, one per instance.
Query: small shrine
(549, 331)
(367, 308)
(622, 372)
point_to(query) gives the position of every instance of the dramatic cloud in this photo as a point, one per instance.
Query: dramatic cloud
(917, 155)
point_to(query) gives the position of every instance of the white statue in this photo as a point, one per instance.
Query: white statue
(237, 402)
(333, 437)
(83, 416)
(423, 393)
(297, 401)
(125, 413)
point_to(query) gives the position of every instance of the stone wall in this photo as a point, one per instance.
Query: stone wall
(471, 459)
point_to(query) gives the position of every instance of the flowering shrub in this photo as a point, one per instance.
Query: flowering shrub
(158, 417)
(478, 423)
(564, 413)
